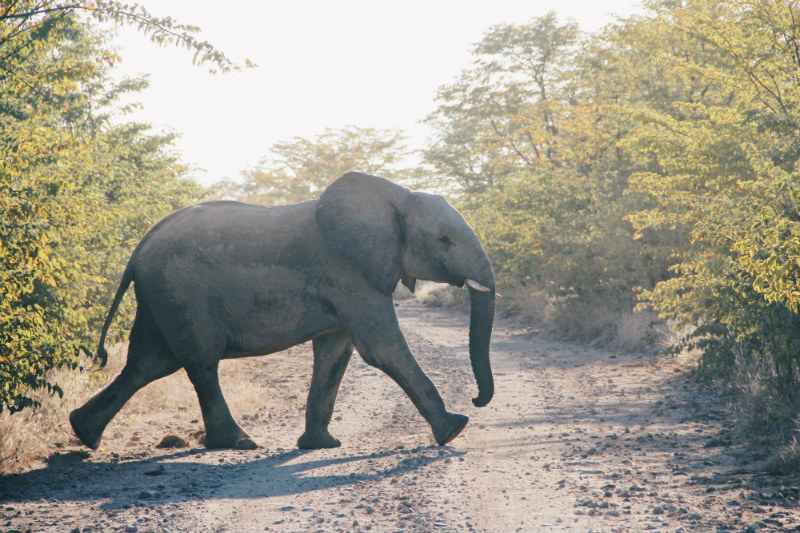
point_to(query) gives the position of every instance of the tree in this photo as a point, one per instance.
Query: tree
(723, 165)
(503, 113)
(530, 137)
(36, 18)
(300, 169)
(76, 191)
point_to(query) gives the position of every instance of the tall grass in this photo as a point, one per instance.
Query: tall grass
(767, 402)
(597, 323)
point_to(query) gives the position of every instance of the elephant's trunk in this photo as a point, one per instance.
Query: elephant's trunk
(480, 333)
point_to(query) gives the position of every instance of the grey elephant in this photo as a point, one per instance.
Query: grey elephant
(225, 279)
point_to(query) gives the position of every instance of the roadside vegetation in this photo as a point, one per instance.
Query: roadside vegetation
(79, 185)
(651, 166)
(646, 174)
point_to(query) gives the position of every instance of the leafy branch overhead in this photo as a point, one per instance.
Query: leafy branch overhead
(21, 16)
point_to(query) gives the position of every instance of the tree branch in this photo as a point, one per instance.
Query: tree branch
(43, 11)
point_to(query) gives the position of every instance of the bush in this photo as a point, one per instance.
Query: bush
(77, 190)
(655, 162)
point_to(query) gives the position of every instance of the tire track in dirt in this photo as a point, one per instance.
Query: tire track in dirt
(576, 439)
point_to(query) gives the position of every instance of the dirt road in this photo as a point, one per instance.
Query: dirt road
(576, 439)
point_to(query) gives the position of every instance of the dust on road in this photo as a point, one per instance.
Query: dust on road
(576, 439)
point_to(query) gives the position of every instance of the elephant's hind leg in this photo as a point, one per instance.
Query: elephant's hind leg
(332, 352)
(222, 431)
(198, 343)
(149, 359)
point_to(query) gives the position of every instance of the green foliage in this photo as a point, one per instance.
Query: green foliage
(657, 158)
(528, 137)
(724, 172)
(504, 113)
(300, 169)
(77, 190)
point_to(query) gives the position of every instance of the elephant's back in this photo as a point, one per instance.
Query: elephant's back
(209, 218)
(223, 232)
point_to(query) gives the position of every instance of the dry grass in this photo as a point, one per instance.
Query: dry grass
(787, 460)
(596, 324)
(766, 400)
(33, 435)
(440, 295)
(526, 305)
(765, 403)
(639, 331)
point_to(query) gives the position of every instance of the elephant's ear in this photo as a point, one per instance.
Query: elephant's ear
(359, 217)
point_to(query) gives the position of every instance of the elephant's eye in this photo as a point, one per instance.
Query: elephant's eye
(444, 239)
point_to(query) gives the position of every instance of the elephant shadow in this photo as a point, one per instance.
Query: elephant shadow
(188, 476)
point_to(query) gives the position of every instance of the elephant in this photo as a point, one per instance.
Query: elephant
(226, 279)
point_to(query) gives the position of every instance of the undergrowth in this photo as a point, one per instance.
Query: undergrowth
(34, 434)
(766, 400)
(601, 324)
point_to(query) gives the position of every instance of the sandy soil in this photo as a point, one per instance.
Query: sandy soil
(576, 439)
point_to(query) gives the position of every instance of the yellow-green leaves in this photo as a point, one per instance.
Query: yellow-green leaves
(76, 193)
(658, 158)
(529, 136)
(720, 160)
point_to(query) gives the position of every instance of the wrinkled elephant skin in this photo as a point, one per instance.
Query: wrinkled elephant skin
(226, 279)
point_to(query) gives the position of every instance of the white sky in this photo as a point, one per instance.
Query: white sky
(321, 63)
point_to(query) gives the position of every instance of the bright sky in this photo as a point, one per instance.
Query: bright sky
(321, 64)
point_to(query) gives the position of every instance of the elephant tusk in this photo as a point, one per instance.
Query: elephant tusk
(475, 285)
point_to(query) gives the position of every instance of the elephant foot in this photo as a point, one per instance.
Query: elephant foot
(246, 444)
(83, 429)
(315, 440)
(238, 441)
(450, 429)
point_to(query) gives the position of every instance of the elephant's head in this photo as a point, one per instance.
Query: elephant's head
(390, 233)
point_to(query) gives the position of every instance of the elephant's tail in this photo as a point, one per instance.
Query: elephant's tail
(127, 278)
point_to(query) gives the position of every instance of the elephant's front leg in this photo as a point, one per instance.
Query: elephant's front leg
(380, 342)
(332, 352)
